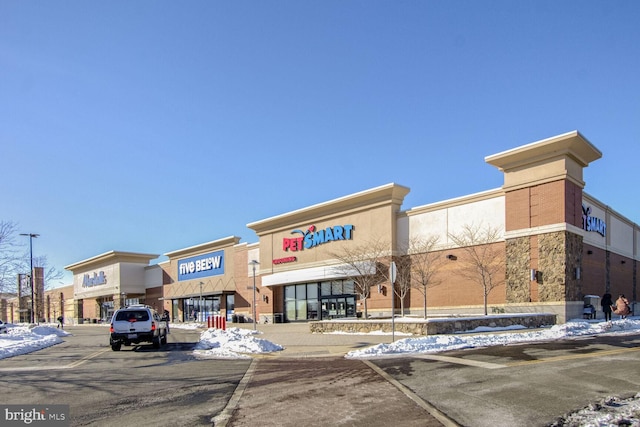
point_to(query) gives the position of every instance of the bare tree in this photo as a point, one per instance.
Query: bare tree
(418, 269)
(9, 256)
(483, 261)
(15, 259)
(365, 265)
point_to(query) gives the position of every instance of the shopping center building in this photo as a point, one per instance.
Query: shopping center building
(554, 244)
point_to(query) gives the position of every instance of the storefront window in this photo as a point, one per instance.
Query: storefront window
(198, 310)
(349, 287)
(336, 300)
(312, 309)
(325, 288)
(231, 302)
(301, 292)
(312, 291)
(336, 287)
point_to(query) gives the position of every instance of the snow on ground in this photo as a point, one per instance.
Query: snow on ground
(241, 343)
(475, 338)
(232, 343)
(23, 339)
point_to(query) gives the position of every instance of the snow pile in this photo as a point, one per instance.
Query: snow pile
(235, 343)
(23, 339)
(439, 343)
(611, 411)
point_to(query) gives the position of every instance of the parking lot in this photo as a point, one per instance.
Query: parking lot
(311, 383)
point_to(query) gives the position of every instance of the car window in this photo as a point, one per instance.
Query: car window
(133, 316)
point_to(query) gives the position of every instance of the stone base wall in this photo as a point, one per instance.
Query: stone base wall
(434, 326)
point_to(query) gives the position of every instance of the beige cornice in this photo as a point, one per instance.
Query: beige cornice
(112, 257)
(552, 159)
(213, 245)
(459, 201)
(389, 194)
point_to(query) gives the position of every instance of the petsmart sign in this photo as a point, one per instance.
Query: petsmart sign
(205, 265)
(314, 237)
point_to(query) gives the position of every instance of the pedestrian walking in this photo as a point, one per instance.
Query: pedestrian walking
(622, 308)
(60, 320)
(607, 302)
(166, 318)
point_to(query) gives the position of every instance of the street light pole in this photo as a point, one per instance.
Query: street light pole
(200, 314)
(253, 264)
(31, 236)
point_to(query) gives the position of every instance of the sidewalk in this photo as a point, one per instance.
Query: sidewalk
(299, 342)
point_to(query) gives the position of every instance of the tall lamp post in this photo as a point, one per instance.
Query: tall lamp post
(200, 313)
(253, 264)
(31, 236)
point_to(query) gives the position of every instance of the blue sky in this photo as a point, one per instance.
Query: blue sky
(151, 126)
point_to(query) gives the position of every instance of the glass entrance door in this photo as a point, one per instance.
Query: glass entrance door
(336, 308)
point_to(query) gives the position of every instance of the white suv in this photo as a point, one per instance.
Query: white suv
(135, 324)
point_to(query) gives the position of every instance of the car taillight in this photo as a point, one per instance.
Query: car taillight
(111, 328)
(153, 326)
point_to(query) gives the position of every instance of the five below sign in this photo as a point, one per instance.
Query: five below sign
(313, 237)
(211, 264)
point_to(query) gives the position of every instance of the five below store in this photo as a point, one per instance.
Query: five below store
(558, 245)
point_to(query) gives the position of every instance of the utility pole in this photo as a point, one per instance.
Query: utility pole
(31, 236)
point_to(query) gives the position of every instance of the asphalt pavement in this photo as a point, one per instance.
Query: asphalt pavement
(311, 383)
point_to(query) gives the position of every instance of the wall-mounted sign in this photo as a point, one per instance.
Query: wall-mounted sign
(312, 237)
(205, 265)
(591, 223)
(96, 280)
(285, 260)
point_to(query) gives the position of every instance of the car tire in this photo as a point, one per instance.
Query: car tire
(157, 341)
(116, 347)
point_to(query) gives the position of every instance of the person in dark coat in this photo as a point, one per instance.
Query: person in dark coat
(60, 320)
(607, 302)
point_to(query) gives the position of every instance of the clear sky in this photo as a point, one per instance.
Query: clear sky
(151, 126)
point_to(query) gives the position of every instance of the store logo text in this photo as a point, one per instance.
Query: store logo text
(312, 237)
(203, 264)
(591, 223)
(96, 280)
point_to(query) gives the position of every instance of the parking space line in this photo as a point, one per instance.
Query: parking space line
(54, 367)
(460, 361)
(435, 412)
(223, 418)
(573, 356)
(85, 359)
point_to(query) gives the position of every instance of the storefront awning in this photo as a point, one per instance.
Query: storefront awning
(314, 274)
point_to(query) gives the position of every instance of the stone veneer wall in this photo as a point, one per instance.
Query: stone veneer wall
(560, 254)
(518, 252)
(435, 326)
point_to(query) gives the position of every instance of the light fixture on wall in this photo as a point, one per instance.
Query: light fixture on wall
(534, 274)
(265, 298)
(452, 257)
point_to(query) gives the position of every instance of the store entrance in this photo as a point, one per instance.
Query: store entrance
(336, 308)
(333, 299)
